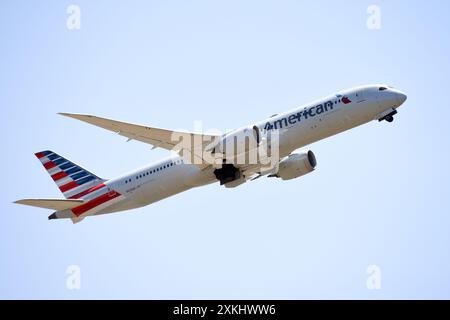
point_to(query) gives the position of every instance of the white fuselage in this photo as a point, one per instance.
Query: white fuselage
(299, 127)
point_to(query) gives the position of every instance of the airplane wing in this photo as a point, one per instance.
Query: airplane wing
(158, 138)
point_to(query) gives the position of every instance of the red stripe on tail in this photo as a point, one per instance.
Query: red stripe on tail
(59, 175)
(78, 196)
(49, 165)
(68, 186)
(78, 211)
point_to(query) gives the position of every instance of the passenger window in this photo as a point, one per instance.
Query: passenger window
(382, 88)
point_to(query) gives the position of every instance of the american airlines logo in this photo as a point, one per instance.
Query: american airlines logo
(297, 117)
(344, 99)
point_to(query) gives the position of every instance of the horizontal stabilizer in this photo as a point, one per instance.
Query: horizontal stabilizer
(53, 204)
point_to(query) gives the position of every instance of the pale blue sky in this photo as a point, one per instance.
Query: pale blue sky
(380, 194)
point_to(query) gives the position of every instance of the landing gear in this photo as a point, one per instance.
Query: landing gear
(389, 117)
(227, 173)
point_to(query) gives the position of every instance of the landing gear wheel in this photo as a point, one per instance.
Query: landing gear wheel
(389, 119)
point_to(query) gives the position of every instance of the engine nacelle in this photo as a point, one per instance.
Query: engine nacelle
(296, 165)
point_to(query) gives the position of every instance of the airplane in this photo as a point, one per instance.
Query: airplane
(89, 195)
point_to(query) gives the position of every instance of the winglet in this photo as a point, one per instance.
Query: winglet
(76, 115)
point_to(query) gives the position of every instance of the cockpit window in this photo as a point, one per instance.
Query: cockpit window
(382, 88)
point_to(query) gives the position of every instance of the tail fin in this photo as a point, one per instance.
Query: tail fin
(70, 178)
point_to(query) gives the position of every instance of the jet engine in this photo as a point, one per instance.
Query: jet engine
(296, 165)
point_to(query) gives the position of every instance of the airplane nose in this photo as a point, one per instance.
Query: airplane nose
(401, 97)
